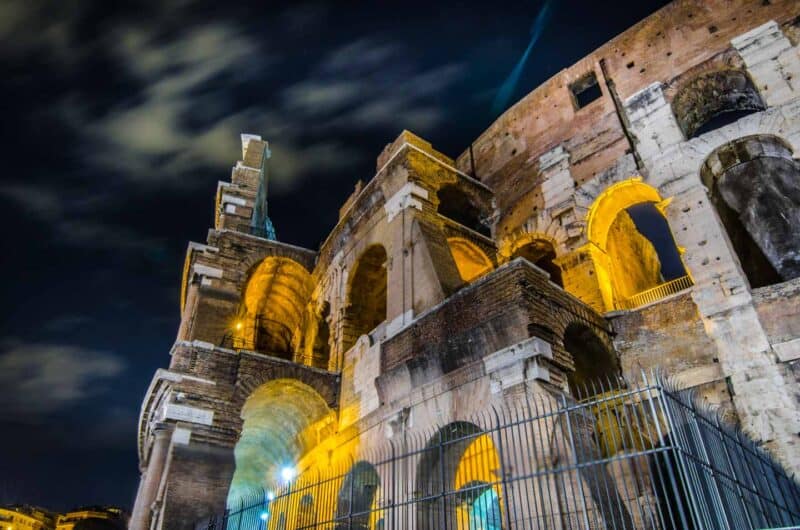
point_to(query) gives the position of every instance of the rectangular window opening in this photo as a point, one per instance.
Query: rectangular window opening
(585, 90)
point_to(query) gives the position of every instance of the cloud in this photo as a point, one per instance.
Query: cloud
(40, 379)
(72, 221)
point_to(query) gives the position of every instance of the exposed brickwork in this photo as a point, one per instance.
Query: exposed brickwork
(447, 346)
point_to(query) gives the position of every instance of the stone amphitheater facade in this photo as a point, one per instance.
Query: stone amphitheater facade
(450, 286)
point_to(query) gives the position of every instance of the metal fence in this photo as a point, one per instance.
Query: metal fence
(646, 456)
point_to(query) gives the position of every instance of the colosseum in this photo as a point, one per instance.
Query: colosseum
(588, 319)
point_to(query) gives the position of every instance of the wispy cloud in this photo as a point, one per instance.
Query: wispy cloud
(40, 379)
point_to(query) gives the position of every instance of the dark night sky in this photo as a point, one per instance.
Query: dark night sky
(118, 124)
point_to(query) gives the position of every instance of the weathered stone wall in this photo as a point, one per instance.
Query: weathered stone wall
(546, 170)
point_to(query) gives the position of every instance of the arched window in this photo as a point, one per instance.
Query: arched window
(271, 315)
(457, 206)
(306, 517)
(597, 368)
(715, 99)
(635, 256)
(355, 506)
(366, 300)
(753, 183)
(541, 253)
(471, 261)
(462, 461)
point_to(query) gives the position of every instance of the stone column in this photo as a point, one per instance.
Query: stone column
(151, 478)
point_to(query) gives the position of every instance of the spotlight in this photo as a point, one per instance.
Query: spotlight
(239, 325)
(264, 516)
(288, 473)
(270, 496)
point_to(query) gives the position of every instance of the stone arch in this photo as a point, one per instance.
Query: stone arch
(306, 516)
(541, 252)
(462, 460)
(597, 366)
(713, 99)
(753, 186)
(626, 261)
(355, 503)
(457, 205)
(471, 261)
(281, 422)
(271, 315)
(366, 295)
(321, 347)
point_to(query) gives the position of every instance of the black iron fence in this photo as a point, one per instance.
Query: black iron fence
(648, 456)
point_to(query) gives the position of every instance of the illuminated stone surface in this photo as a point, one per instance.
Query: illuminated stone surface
(409, 314)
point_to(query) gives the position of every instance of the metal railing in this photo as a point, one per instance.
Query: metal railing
(657, 293)
(648, 456)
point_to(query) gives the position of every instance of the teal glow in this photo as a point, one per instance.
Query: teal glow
(484, 512)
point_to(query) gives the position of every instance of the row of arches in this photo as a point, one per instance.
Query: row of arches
(284, 418)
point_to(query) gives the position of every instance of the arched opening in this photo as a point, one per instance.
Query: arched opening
(459, 474)
(634, 253)
(282, 421)
(366, 299)
(306, 517)
(274, 299)
(355, 506)
(753, 184)
(713, 100)
(321, 350)
(541, 253)
(471, 261)
(457, 206)
(597, 368)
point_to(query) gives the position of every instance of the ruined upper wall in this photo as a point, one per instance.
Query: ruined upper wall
(659, 49)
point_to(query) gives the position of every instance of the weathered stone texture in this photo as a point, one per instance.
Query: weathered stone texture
(457, 325)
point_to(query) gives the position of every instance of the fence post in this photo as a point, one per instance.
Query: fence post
(504, 481)
(575, 461)
(442, 475)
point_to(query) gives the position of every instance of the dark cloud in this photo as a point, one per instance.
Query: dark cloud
(40, 379)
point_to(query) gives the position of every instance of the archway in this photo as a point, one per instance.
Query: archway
(459, 476)
(753, 184)
(713, 100)
(306, 517)
(366, 298)
(355, 505)
(471, 261)
(597, 368)
(457, 206)
(280, 420)
(273, 303)
(541, 253)
(635, 256)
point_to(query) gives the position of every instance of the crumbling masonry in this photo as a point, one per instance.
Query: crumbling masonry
(526, 266)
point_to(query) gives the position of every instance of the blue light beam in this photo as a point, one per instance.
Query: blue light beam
(506, 90)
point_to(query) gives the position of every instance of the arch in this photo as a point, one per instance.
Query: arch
(753, 185)
(461, 461)
(457, 206)
(357, 495)
(541, 253)
(631, 244)
(471, 261)
(366, 297)
(273, 303)
(714, 99)
(306, 517)
(597, 366)
(280, 420)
